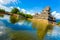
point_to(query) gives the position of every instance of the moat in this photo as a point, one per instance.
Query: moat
(26, 28)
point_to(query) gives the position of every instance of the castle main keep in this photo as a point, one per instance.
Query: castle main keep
(45, 14)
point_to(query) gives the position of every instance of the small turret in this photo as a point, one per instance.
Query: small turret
(47, 8)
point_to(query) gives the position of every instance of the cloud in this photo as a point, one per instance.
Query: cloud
(18, 8)
(6, 17)
(6, 8)
(3, 2)
(32, 13)
(7, 1)
(56, 15)
(23, 10)
(27, 12)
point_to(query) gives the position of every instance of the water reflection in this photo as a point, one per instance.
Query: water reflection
(23, 31)
(55, 34)
(42, 27)
(2, 28)
(3, 32)
(35, 30)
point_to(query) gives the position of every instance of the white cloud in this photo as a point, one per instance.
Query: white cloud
(56, 15)
(3, 2)
(6, 8)
(27, 12)
(7, 1)
(23, 10)
(18, 8)
(32, 13)
(6, 17)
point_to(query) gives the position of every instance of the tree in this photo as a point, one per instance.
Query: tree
(25, 15)
(28, 16)
(2, 12)
(21, 13)
(14, 10)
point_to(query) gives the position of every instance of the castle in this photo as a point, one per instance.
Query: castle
(45, 14)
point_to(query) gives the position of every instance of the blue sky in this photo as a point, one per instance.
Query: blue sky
(36, 4)
(32, 6)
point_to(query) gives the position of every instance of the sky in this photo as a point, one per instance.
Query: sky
(32, 6)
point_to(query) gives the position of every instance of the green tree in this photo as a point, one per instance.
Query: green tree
(25, 15)
(14, 10)
(21, 13)
(28, 16)
(2, 10)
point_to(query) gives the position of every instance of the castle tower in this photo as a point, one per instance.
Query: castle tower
(45, 14)
(47, 9)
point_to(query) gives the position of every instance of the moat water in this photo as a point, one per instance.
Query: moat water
(25, 27)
